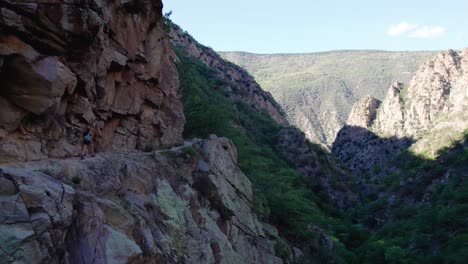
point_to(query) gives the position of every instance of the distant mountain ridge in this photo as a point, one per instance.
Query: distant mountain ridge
(318, 90)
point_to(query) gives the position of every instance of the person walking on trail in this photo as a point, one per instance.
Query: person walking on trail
(87, 143)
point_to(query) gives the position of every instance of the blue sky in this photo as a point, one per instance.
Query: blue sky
(294, 26)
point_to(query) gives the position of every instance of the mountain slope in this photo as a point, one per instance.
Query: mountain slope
(318, 90)
(249, 92)
(69, 64)
(206, 201)
(418, 209)
(430, 112)
(282, 166)
(408, 155)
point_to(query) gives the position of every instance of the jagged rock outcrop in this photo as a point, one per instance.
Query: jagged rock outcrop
(68, 64)
(320, 170)
(363, 112)
(317, 90)
(250, 92)
(431, 113)
(190, 204)
(437, 91)
(439, 87)
(390, 120)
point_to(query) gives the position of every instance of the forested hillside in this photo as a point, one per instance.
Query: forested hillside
(282, 196)
(386, 223)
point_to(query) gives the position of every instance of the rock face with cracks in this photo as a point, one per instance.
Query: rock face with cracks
(66, 64)
(426, 116)
(186, 205)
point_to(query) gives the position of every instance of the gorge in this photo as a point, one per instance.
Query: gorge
(197, 163)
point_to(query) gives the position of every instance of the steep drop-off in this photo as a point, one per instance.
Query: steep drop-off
(408, 155)
(298, 187)
(318, 90)
(267, 196)
(416, 209)
(239, 84)
(431, 112)
(68, 64)
(65, 65)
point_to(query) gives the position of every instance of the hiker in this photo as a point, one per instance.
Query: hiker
(87, 142)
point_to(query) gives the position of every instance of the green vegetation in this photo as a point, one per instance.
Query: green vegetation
(426, 223)
(190, 151)
(280, 193)
(427, 215)
(318, 90)
(168, 154)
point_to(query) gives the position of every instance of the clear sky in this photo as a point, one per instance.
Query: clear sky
(294, 26)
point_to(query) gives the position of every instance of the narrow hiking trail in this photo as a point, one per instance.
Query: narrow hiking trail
(98, 157)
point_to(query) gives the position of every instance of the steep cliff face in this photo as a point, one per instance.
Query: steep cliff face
(190, 204)
(243, 87)
(317, 90)
(363, 112)
(431, 111)
(68, 64)
(438, 90)
(391, 117)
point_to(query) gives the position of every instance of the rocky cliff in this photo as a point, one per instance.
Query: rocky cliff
(190, 204)
(243, 86)
(68, 64)
(431, 113)
(317, 90)
(363, 112)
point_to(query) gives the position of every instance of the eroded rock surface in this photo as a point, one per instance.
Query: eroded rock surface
(363, 112)
(431, 113)
(68, 64)
(157, 207)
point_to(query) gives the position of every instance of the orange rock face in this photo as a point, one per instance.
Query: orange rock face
(68, 64)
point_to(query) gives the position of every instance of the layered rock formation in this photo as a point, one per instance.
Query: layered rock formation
(431, 111)
(190, 204)
(68, 64)
(243, 88)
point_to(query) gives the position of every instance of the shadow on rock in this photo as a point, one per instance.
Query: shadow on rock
(363, 150)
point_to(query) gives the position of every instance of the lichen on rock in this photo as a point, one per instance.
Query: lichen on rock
(132, 208)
